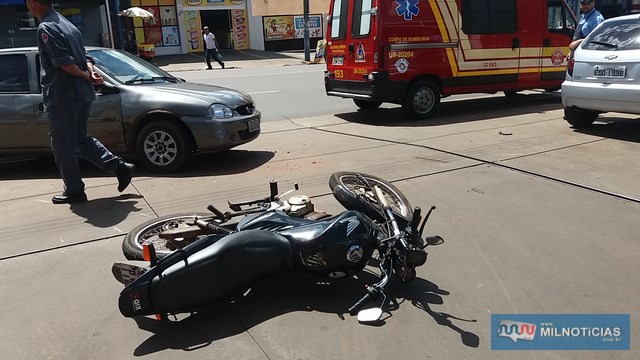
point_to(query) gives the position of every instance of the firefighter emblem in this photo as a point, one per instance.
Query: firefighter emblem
(402, 65)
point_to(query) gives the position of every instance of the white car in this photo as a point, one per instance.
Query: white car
(604, 74)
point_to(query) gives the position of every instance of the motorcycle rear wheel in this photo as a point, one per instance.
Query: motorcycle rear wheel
(361, 199)
(133, 241)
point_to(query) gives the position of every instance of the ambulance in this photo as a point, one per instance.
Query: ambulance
(414, 52)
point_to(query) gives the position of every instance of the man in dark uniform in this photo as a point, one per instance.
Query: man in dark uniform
(67, 91)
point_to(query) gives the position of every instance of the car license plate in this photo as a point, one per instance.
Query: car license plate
(337, 60)
(616, 72)
(254, 125)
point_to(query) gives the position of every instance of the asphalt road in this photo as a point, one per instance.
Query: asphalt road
(538, 218)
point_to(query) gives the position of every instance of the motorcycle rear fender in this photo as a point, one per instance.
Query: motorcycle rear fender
(134, 299)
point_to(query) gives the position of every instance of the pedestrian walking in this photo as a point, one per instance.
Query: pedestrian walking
(211, 48)
(67, 91)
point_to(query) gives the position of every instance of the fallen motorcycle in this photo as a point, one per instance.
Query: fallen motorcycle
(274, 237)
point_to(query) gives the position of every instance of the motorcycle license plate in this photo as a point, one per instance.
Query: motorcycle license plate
(611, 72)
(337, 60)
(254, 125)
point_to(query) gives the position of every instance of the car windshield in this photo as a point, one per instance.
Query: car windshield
(128, 69)
(615, 35)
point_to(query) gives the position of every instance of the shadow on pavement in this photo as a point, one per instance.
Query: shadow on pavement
(273, 297)
(614, 128)
(107, 212)
(460, 111)
(222, 163)
(421, 293)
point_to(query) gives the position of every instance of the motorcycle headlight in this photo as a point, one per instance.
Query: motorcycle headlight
(220, 111)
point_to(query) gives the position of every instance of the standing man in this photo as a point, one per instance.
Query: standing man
(211, 49)
(67, 92)
(589, 20)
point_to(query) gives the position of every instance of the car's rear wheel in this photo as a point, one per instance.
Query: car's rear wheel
(579, 117)
(163, 146)
(422, 99)
(366, 104)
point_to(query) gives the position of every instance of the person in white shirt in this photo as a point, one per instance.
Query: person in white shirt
(211, 49)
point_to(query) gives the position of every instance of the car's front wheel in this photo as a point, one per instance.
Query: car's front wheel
(163, 146)
(579, 117)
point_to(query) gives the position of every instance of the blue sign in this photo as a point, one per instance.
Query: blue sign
(407, 8)
(560, 331)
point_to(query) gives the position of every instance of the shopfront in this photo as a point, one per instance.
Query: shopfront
(226, 19)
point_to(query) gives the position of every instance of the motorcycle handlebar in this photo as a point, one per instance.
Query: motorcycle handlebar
(371, 292)
(217, 212)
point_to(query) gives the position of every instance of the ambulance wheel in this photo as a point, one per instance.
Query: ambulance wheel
(579, 118)
(422, 100)
(366, 104)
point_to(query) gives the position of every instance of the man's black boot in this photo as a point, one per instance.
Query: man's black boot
(65, 198)
(124, 174)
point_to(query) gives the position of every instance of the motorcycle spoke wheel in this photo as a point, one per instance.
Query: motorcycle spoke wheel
(362, 198)
(150, 230)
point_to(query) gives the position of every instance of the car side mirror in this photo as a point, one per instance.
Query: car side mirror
(107, 89)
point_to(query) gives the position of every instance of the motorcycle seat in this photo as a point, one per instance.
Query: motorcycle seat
(221, 270)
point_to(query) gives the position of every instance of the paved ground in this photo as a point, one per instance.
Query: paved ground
(538, 218)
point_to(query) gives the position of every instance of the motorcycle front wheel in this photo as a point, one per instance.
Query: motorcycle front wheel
(150, 230)
(360, 195)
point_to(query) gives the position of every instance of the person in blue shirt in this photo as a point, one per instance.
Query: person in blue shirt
(589, 20)
(67, 92)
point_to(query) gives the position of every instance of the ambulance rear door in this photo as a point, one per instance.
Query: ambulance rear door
(351, 51)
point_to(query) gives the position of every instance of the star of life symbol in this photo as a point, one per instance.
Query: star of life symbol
(407, 8)
(516, 330)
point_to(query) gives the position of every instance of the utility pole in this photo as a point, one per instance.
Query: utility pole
(307, 56)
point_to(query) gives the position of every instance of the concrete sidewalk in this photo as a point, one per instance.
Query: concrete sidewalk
(233, 59)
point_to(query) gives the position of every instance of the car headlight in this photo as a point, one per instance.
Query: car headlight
(220, 111)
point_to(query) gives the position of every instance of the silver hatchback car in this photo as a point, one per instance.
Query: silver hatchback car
(139, 110)
(604, 74)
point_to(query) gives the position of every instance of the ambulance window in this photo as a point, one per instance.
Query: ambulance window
(489, 16)
(558, 17)
(361, 18)
(339, 19)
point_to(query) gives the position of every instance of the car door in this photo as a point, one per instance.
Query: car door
(19, 96)
(105, 118)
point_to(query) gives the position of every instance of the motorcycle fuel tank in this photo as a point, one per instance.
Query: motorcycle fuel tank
(339, 244)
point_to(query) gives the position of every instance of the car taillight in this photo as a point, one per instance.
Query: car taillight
(570, 65)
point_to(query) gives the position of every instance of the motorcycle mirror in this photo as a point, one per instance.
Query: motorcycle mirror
(369, 315)
(434, 240)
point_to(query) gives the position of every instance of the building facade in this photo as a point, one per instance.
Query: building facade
(176, 27)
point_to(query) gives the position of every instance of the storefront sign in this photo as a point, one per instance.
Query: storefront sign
(240, 29)
(315, 26)
(278, 28)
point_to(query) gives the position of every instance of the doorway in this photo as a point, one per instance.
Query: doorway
(219, 23)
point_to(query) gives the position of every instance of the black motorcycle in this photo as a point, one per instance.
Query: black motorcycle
(274, 237)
